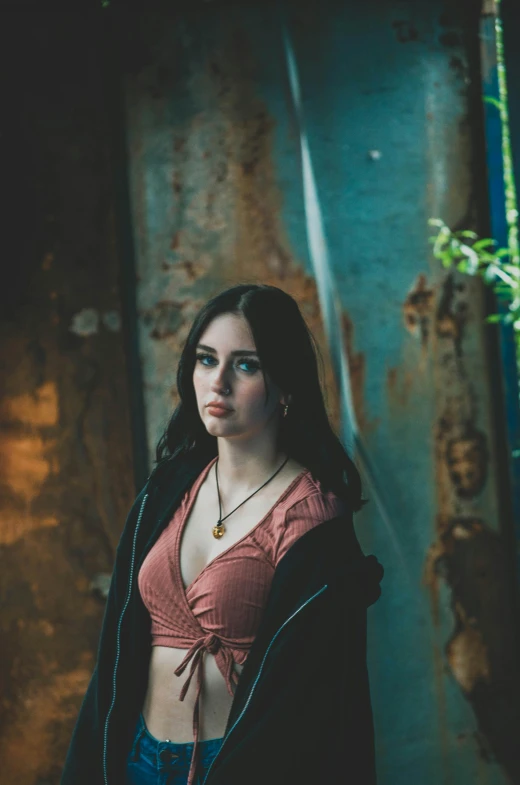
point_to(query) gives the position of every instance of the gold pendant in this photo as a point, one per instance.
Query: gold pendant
(218, 530)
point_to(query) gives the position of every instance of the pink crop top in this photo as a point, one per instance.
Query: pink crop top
(220, 611)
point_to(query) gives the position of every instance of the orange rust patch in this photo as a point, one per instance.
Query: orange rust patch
(451, 313)
(482, 650)
(417, 309)
(356, 361)
(467, 652)
(38, 409)
(399, 394)
(467, 461)
(14, 528)
(24, 463)
(28, 757)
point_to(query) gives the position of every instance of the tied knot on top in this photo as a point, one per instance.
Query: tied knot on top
(224, 659)
(210, 643)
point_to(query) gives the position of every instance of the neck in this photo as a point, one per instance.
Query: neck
(243, 470)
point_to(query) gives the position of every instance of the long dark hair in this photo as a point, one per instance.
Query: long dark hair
(288, 352)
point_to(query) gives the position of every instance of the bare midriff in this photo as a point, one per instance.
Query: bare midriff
(167, 717)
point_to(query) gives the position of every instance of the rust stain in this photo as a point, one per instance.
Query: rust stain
(467, 459)
(26, 462)
(38, 409)
(31, 756)
(399, 393)
(468, 556)
(244, 164)
(236, 202)
(357, 368)
(471, 558)
(163, 319)
(15, 527)
(417, 310)
(451, 312)
(467, 653)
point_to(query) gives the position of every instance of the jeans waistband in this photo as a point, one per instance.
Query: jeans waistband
(169, 751)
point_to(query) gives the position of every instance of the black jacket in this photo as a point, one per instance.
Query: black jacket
(301, 712)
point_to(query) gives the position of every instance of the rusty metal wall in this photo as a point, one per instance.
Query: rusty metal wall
(66, 466)
(391, 101)
(510, 18)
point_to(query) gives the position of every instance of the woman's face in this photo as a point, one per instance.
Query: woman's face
(227, 360)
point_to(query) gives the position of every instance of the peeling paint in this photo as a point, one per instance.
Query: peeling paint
(163, 320)
(467, 460)
(467, 653)
(85, 322)
(356, 361)
(480, 653)
(417, 309)
(451, 311)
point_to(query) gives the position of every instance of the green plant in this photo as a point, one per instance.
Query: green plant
(472, 255)
(464, 249)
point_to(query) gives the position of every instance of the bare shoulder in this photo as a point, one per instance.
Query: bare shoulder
(292, 469)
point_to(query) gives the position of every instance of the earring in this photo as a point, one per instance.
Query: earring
(285, 410)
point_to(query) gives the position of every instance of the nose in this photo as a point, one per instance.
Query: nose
(220, 380)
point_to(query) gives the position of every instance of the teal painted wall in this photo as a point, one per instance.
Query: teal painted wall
(390, 111)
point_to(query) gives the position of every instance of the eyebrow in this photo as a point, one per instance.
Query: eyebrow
(236, 352)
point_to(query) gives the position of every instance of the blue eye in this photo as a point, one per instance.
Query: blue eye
(243, 361)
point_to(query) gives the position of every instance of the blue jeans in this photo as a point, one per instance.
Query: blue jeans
(154, 762)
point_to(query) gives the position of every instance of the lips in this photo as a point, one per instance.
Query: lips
(218, 406)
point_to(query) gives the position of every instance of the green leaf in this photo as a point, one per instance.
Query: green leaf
(490, 99)
(494, 318)
(489, 274)
(484, 243)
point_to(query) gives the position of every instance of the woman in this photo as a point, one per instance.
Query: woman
(233, 646)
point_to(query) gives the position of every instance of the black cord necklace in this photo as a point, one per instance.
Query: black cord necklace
(219, 529)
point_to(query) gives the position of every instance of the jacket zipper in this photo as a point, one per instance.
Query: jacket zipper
(118, 639)
(240, 716)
